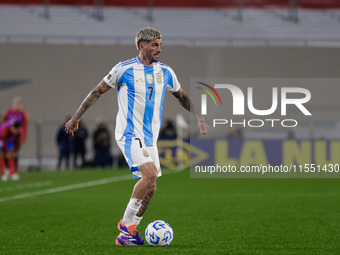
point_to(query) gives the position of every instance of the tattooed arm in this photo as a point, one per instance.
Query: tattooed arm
(72, 125)
(186, 102)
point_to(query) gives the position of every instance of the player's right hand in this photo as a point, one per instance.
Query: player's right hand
(71, 126)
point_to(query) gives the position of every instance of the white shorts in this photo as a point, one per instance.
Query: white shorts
(136, 153)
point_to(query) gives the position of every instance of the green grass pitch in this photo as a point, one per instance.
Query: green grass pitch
(209, 216)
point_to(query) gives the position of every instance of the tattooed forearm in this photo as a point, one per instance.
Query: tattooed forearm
(90, 99)
(87, 103)
(72, 125)
(185, 101)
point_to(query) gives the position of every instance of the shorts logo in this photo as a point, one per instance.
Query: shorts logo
(145, 153)
(159, 78)
(149, 78)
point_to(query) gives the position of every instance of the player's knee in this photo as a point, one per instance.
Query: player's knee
(150, 173)
(152, 178)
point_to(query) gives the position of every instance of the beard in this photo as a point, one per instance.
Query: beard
(153, 57)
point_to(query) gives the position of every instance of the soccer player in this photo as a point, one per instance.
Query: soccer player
(17, 114)
(141, 83)
(9, 133)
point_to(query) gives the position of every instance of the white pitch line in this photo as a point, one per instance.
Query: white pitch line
(27, 186)
(68, 187)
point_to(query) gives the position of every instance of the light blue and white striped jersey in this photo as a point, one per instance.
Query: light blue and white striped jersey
(140, 92)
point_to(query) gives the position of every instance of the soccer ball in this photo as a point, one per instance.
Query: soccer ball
(159, 233)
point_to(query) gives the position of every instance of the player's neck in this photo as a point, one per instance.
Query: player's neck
(144, 60)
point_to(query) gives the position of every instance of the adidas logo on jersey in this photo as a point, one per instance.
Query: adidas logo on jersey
(140, 79)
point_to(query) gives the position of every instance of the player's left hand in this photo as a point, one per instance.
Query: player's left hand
(203, 126)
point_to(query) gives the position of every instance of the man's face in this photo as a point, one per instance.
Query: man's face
(152, 50)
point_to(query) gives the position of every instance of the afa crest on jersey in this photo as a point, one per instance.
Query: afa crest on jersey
(149, 78)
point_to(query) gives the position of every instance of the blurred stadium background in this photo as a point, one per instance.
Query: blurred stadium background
(53, 52)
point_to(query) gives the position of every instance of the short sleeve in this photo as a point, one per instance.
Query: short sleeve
(173, 84)
(111, 78)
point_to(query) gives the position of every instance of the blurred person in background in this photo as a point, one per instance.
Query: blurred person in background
(102, 144)
(65, 143)
(16, 114)
(80, 137)
(290, 135)
(168, 131)
(141, 83)
(9, 133)
(235, 133)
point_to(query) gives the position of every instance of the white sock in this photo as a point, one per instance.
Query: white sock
(131, 211)
(137, 220)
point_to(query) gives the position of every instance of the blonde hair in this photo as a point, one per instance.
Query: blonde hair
(16, 100)
(147, 34)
